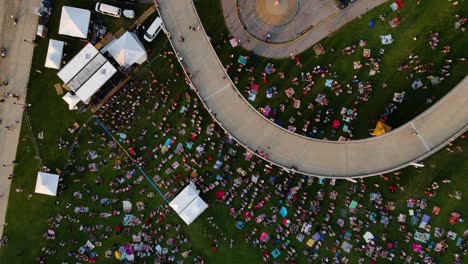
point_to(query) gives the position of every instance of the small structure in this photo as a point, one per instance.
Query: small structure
(381, 128)
(74, 22)
(71, 100)
(47, 183)
(187, 204)
(87, 72)
(54, 54)
(127, 50)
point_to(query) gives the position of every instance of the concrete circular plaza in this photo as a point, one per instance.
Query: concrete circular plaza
(276, 12)
(284, 20)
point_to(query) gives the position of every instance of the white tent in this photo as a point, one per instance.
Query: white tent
(192, 211)
(127, 50)
(77, 63)
(96, 81)
(74, 22)
(54, 54)
(47, 183)
(188, 205)
(72, 100)
(87, 72)
(185, 197)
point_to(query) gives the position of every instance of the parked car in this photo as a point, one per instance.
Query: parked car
(113, 11)
(153, 30)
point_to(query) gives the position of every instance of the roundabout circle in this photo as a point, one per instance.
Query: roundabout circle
(276, 12)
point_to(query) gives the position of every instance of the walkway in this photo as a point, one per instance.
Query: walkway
(14, 68)
(320, 30)
(437, 126)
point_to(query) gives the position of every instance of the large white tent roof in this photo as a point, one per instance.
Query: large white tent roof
(96, 81)
(188, 205)
(185, 197)
(74, 22)
(86, 73)
(72, 100)
(78, 62)
(127, 50)
(47, 183)
(54, 54)
(192, 211)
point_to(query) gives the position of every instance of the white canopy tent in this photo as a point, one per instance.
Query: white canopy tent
(86, 73)
(185, 197)
(54, 54)
(192, 211)
(127, 50)
(72, 100)
(78, 62)
(187, 204)
(74, 22)
(96, 81)
(47, 183)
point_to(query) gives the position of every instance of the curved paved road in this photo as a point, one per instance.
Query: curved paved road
(437, 126)
(299, 45)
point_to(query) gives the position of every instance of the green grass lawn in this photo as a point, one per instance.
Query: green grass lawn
(27, 219)
(416, 20)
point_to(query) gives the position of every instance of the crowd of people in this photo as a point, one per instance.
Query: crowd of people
(159, 126)
(296, 95)
(162, 129)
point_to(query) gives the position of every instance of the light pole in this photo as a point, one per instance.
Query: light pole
(31, 42)
(28, 105)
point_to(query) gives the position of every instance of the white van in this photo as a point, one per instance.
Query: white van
(153, 30)
(113, 11)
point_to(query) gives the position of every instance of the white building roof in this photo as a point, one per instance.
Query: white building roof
(47, 183)
(96, 81)
(77, 63)
(188, 205)
(71, 100)
(127, 50)
(74, 22)
(54, 54)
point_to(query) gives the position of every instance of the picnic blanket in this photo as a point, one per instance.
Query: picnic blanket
(386, 39)
(234, 42)
(289, 92)
(242, 60)
(398, 97)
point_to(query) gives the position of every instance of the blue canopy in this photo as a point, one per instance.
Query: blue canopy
(275, 253)
(371, 23)
(283, 212)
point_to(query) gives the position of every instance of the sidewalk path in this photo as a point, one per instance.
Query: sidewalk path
(299, 45)
(437, 126)
(14, 68)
